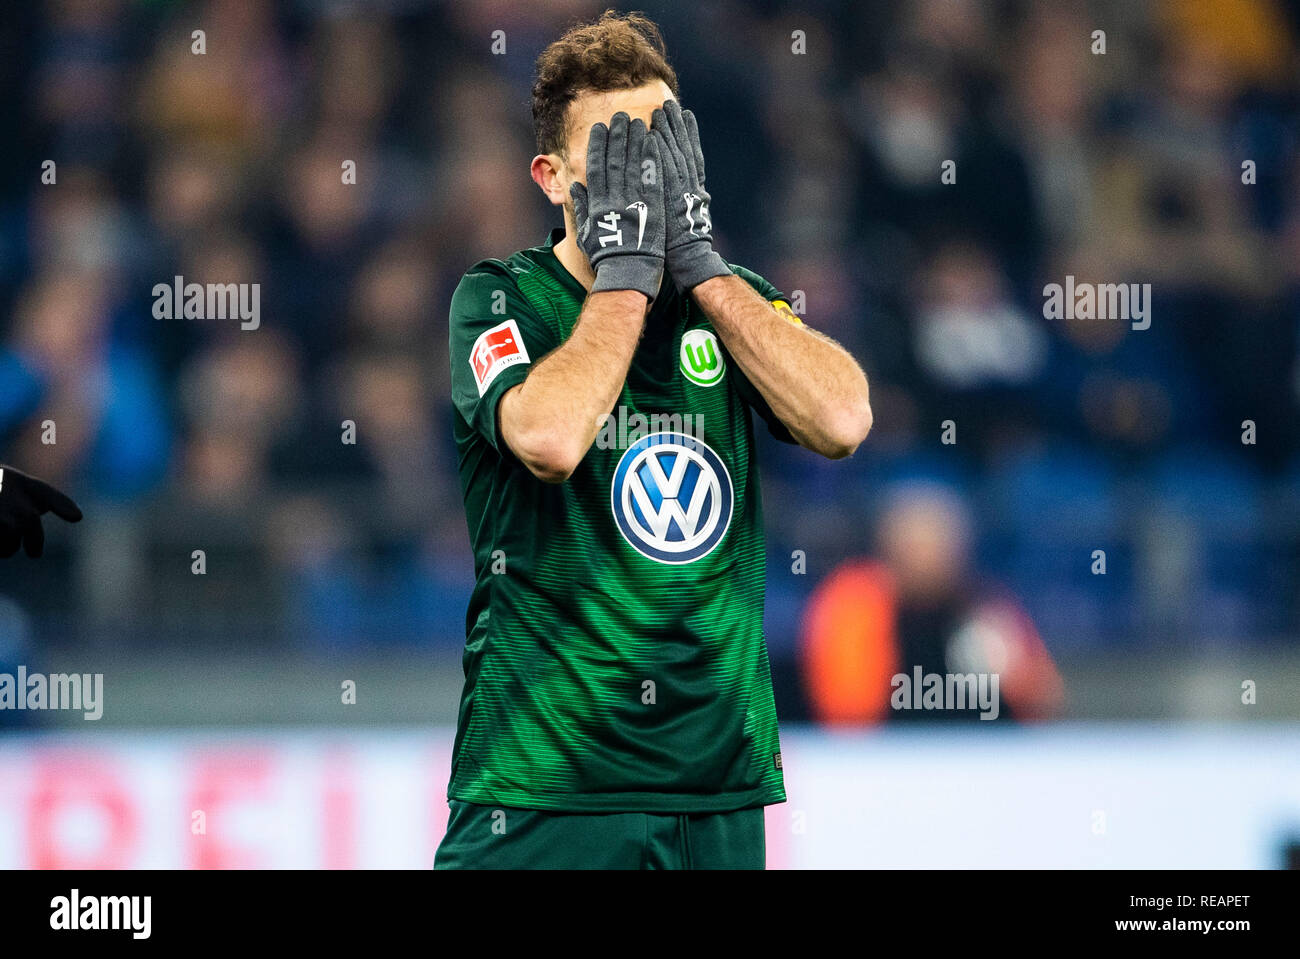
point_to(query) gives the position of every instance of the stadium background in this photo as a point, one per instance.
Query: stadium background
(328, 562)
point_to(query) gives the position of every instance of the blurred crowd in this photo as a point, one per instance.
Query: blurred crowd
(827, 127)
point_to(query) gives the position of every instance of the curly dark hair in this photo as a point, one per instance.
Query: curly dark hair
(615, 52)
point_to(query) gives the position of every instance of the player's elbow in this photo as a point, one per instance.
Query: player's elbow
(550, 454)
(847, 428)
(551, 471)
(540, 439)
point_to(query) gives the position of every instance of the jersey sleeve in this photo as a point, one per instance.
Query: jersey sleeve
(495, 337)
(748, 392)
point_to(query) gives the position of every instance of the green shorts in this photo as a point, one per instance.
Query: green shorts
(500, 837)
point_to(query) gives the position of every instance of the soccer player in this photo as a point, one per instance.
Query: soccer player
(617, 710)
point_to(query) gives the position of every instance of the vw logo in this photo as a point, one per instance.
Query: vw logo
(672, 498)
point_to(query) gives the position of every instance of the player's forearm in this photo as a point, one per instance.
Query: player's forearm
(551, 419)
(811, 382)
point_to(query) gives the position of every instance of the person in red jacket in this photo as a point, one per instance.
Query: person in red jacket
(919, 604)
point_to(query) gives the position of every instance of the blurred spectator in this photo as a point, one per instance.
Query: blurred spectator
(919, 606)
(101, 416)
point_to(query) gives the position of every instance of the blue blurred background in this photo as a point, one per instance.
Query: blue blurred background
(325, 559)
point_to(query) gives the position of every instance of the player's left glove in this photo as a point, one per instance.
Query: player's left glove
(690, 254)
(23, 500)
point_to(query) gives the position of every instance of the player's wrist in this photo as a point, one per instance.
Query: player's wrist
(691, 267)
(643, 274)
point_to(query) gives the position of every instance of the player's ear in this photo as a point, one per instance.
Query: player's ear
(546, 174)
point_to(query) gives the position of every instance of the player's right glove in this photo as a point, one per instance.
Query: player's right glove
(23, 500)
(620, 212)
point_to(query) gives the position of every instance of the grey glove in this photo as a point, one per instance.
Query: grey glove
(620, 212)
(691, 257)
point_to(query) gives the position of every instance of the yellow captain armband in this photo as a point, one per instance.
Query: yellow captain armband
(782, 307)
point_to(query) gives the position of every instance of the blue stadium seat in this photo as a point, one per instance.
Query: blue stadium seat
(1049, 509)
(1216, 499)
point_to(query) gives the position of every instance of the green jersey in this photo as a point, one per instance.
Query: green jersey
(615, 659)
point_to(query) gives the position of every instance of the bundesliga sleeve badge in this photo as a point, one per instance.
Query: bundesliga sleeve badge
(495, 350)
